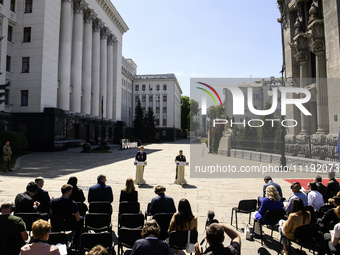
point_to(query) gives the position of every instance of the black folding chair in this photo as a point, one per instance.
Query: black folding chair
(58, 237)
(244, 206)
(63, 222)
(271, 218)
(127, 238)
(29, 218)
(305, 234)
(98, 222)
(131, 220)
(100, 207)
(129, 207)
(163, 220)
(179, 239)
(147, 212)
(89, 240)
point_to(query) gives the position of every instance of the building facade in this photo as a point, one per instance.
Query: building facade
(162, 93)
(69, 80)
(311, 46)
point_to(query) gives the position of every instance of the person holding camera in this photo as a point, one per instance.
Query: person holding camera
(215, 238)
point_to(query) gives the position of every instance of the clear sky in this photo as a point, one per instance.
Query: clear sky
(198, 39)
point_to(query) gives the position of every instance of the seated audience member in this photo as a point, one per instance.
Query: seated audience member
(13, 232)
(64, 206)
(42, 196)
(298, 217)
(162, 203)
(183, 220)
(332, 186)
(129, 193)
(24, 202)
(268, 181)
(150, 244)
(215, 237)
(271, 201)
(321, 188)
(100, 191)
(330, 218)
(98, 250)
(41, 231)
(77, 195)
(315, 198)
(296, 187)
(332, 235)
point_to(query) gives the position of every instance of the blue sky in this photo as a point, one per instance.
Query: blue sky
(202, 39)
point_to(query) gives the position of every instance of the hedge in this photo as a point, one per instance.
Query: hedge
(18, 141)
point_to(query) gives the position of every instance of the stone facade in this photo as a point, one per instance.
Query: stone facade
(310, 31)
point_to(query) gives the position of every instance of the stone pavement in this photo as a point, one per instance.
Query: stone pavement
(218, 194)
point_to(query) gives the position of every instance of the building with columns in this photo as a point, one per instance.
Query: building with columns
(69, 80)
(310, 31)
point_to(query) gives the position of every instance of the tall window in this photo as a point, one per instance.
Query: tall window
(157, 87)
(7, 96)
(1, 1)
(9, 33)
(150, 98)
(8, 63)
(136, 98)
(12, 6)
(157, 98)
(150, 87)
(164, 109)
(164, 122)
(164, 98)
(137, 88)
(24, 97)
(143, 98)
(28, 6)
(164, 86)
(27, 34)
(143, 87)
(157, 109)
(25, 65)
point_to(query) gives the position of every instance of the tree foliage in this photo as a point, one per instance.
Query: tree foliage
(150, 127)
(185, 113)
(138, 122)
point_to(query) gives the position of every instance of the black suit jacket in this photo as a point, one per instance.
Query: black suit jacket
(140, 156)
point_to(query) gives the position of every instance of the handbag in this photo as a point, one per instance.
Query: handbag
(190, 247)
(247, 235)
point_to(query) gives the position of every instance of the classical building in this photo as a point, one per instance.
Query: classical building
(69, 80)
(310, 30)
(162, 93)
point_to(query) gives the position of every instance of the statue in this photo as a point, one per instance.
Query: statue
(225, 142)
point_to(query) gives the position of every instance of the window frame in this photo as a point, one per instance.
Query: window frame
(12, 6)
(24, 98)
(26, 30)
(25, 60)
(10, 33)
(28, 4)
(8, 63)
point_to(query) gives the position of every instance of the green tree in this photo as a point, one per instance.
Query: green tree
(3, 88)
(185, 113)
(216, 112)
(138, 122)
(150, 127)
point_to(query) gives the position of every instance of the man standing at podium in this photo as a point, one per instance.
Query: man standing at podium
(140, 157)
(180, 158)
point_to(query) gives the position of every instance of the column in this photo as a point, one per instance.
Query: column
(303, 61)
(110, 42)
(77, 51)
(87, 63)
(103, 67)
(65, 47)
(95, 102)
(321, 91)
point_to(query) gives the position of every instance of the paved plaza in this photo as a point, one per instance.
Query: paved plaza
(217, 194)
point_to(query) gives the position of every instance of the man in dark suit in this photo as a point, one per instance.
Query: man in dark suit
(332, 186)
(321, 188)
(24, 202)
(162, 203)
(141, 155)
(180, 158)
(268, 181)
(100, 191)
(42, 196)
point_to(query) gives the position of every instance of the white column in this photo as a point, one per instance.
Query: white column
(109, 104)
(103, 67)
(77, 51)
(87, 63)
(64, 65)
(117, 81)
(95, 102)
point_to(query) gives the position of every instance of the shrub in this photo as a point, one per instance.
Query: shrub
(18, 141)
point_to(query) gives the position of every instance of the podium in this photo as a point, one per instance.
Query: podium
(180, 172)
(139, 172)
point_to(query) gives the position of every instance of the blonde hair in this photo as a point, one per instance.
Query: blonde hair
(40, 228)
(272, 193)
(129, 185)
(98, 250)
